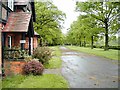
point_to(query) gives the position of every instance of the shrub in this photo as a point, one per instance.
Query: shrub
(44, 54)
(28, 58)
(14, 53)
(33, 67)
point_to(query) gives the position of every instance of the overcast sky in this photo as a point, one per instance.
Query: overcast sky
(68, 7)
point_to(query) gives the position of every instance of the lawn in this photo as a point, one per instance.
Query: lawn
(44, 81)
(0, 83)
(111, 54)
(56, 50)
(55, 61)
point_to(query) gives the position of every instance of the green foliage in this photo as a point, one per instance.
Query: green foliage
(82, 30)
(49, 23)
(28, 58)
(106, 13)
(44, 81)
(55, 61)
(14, 53)
(33, 67)
(44, 54)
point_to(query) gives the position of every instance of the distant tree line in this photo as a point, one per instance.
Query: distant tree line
(100, 21)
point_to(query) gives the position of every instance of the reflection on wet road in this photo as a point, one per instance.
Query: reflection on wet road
(88, 71)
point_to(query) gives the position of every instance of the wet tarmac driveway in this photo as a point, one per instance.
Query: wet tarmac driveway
(88, 71)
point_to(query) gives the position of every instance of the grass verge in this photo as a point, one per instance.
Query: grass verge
(44, 81)
(55, 61)
(56, 50)
(111, 54)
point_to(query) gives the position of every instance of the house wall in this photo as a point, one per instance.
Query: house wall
(27, 43)
(13, 67)
(16, 37)
(35, 42)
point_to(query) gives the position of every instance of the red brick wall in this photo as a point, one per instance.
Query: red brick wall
(27, 43)
(16, 37)
(35, 42)
(19, 10)
(13, 67)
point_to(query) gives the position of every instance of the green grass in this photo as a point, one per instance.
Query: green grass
(44, 81)
(12, 81)
(56, 50)
(56, 61)
(0, 83)
(111, 54)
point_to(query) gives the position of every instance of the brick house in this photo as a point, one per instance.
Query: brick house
(17, 24)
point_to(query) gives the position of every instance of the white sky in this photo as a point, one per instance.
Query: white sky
(68, 7)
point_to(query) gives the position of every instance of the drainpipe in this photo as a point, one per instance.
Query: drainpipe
(29, 43)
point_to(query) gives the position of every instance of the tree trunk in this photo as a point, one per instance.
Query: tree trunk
(84, 42)
(80, 43)
(106, 36)
(92, 42)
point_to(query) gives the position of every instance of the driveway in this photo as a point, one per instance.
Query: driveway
(88, 71)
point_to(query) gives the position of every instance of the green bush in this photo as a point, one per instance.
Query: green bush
(44, 54)
(28, 58)
(33, 67)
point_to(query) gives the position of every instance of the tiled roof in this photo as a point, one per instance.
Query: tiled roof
(18, 22)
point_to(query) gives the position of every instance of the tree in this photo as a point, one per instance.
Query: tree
(105, 12)
(48, 22)
(83, 31)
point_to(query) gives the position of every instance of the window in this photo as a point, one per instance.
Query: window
(10, 41)
(11, 4)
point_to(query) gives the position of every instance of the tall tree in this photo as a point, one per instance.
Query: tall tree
(83, 31)
(105, 12)
(48, 22)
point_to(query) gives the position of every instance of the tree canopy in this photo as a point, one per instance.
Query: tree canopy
(48, 23)
(100, 18)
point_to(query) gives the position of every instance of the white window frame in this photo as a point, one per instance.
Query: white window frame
(11, 4)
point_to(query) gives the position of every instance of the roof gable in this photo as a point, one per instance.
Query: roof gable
(18, 22)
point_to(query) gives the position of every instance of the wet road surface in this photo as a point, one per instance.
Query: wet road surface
(88, 71)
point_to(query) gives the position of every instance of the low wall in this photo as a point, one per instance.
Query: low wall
(13, 67)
